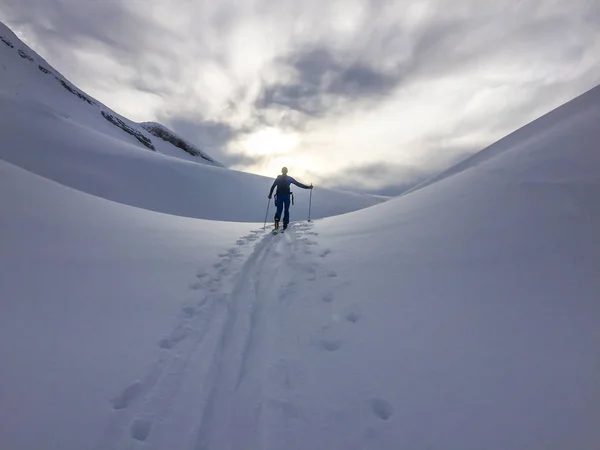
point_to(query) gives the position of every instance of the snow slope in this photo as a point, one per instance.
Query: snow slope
(463, 315)
(27, 76)
(63, 136)
(85, 286)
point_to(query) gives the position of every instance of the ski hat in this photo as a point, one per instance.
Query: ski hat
(284, 170)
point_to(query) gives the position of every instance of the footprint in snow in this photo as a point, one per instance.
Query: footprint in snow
(382, 408)
(327, 298)
(352, 316)
(178, 335)
(202, 279)
(129, 394)
(231, 253)
(213, 284)
(324, 253)
(196, 286)
(189, 311)
(332, 274)
(140, 429)
(331, 345)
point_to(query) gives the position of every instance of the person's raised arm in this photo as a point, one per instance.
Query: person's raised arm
(297, 183)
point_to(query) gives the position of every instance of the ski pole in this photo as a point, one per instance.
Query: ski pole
(266, 214)
(309, 204)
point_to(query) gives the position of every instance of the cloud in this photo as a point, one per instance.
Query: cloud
(377, 178)
(366, 84)
(321, 79)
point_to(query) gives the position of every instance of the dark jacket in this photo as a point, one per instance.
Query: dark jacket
(283, 185)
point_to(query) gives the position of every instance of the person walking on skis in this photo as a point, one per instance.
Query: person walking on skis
(282, 196)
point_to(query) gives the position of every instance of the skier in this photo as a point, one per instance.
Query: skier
(282, 196)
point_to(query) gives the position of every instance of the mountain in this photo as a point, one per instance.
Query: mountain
(462, 315)
(24, 82)
(53, 129)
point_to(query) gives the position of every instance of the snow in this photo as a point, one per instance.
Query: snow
(462, 315)
(85, 286)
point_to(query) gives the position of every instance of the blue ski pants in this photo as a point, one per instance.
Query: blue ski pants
(281, 202)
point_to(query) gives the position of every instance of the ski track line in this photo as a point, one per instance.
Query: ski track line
(155, 392)
(227, 340)
(150, 399)
(222, 425)
(253, 394)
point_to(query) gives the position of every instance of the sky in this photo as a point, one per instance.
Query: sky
(370, 96)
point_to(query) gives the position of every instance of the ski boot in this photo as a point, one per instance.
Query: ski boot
(276, 227)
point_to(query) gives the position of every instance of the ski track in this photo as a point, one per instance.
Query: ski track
(147, 402)
(224, 358)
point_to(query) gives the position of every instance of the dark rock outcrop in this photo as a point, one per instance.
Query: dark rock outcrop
(7, 42)
(24, 55)
(122, 125)
(74, 91)
(165, 135)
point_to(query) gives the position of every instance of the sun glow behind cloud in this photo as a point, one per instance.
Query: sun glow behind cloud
(268, 142)
(388, 91)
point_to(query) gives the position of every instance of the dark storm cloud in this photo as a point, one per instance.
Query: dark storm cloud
(323, 76)
(358, 80)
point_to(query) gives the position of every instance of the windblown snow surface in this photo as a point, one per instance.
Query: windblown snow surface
(462, 315)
